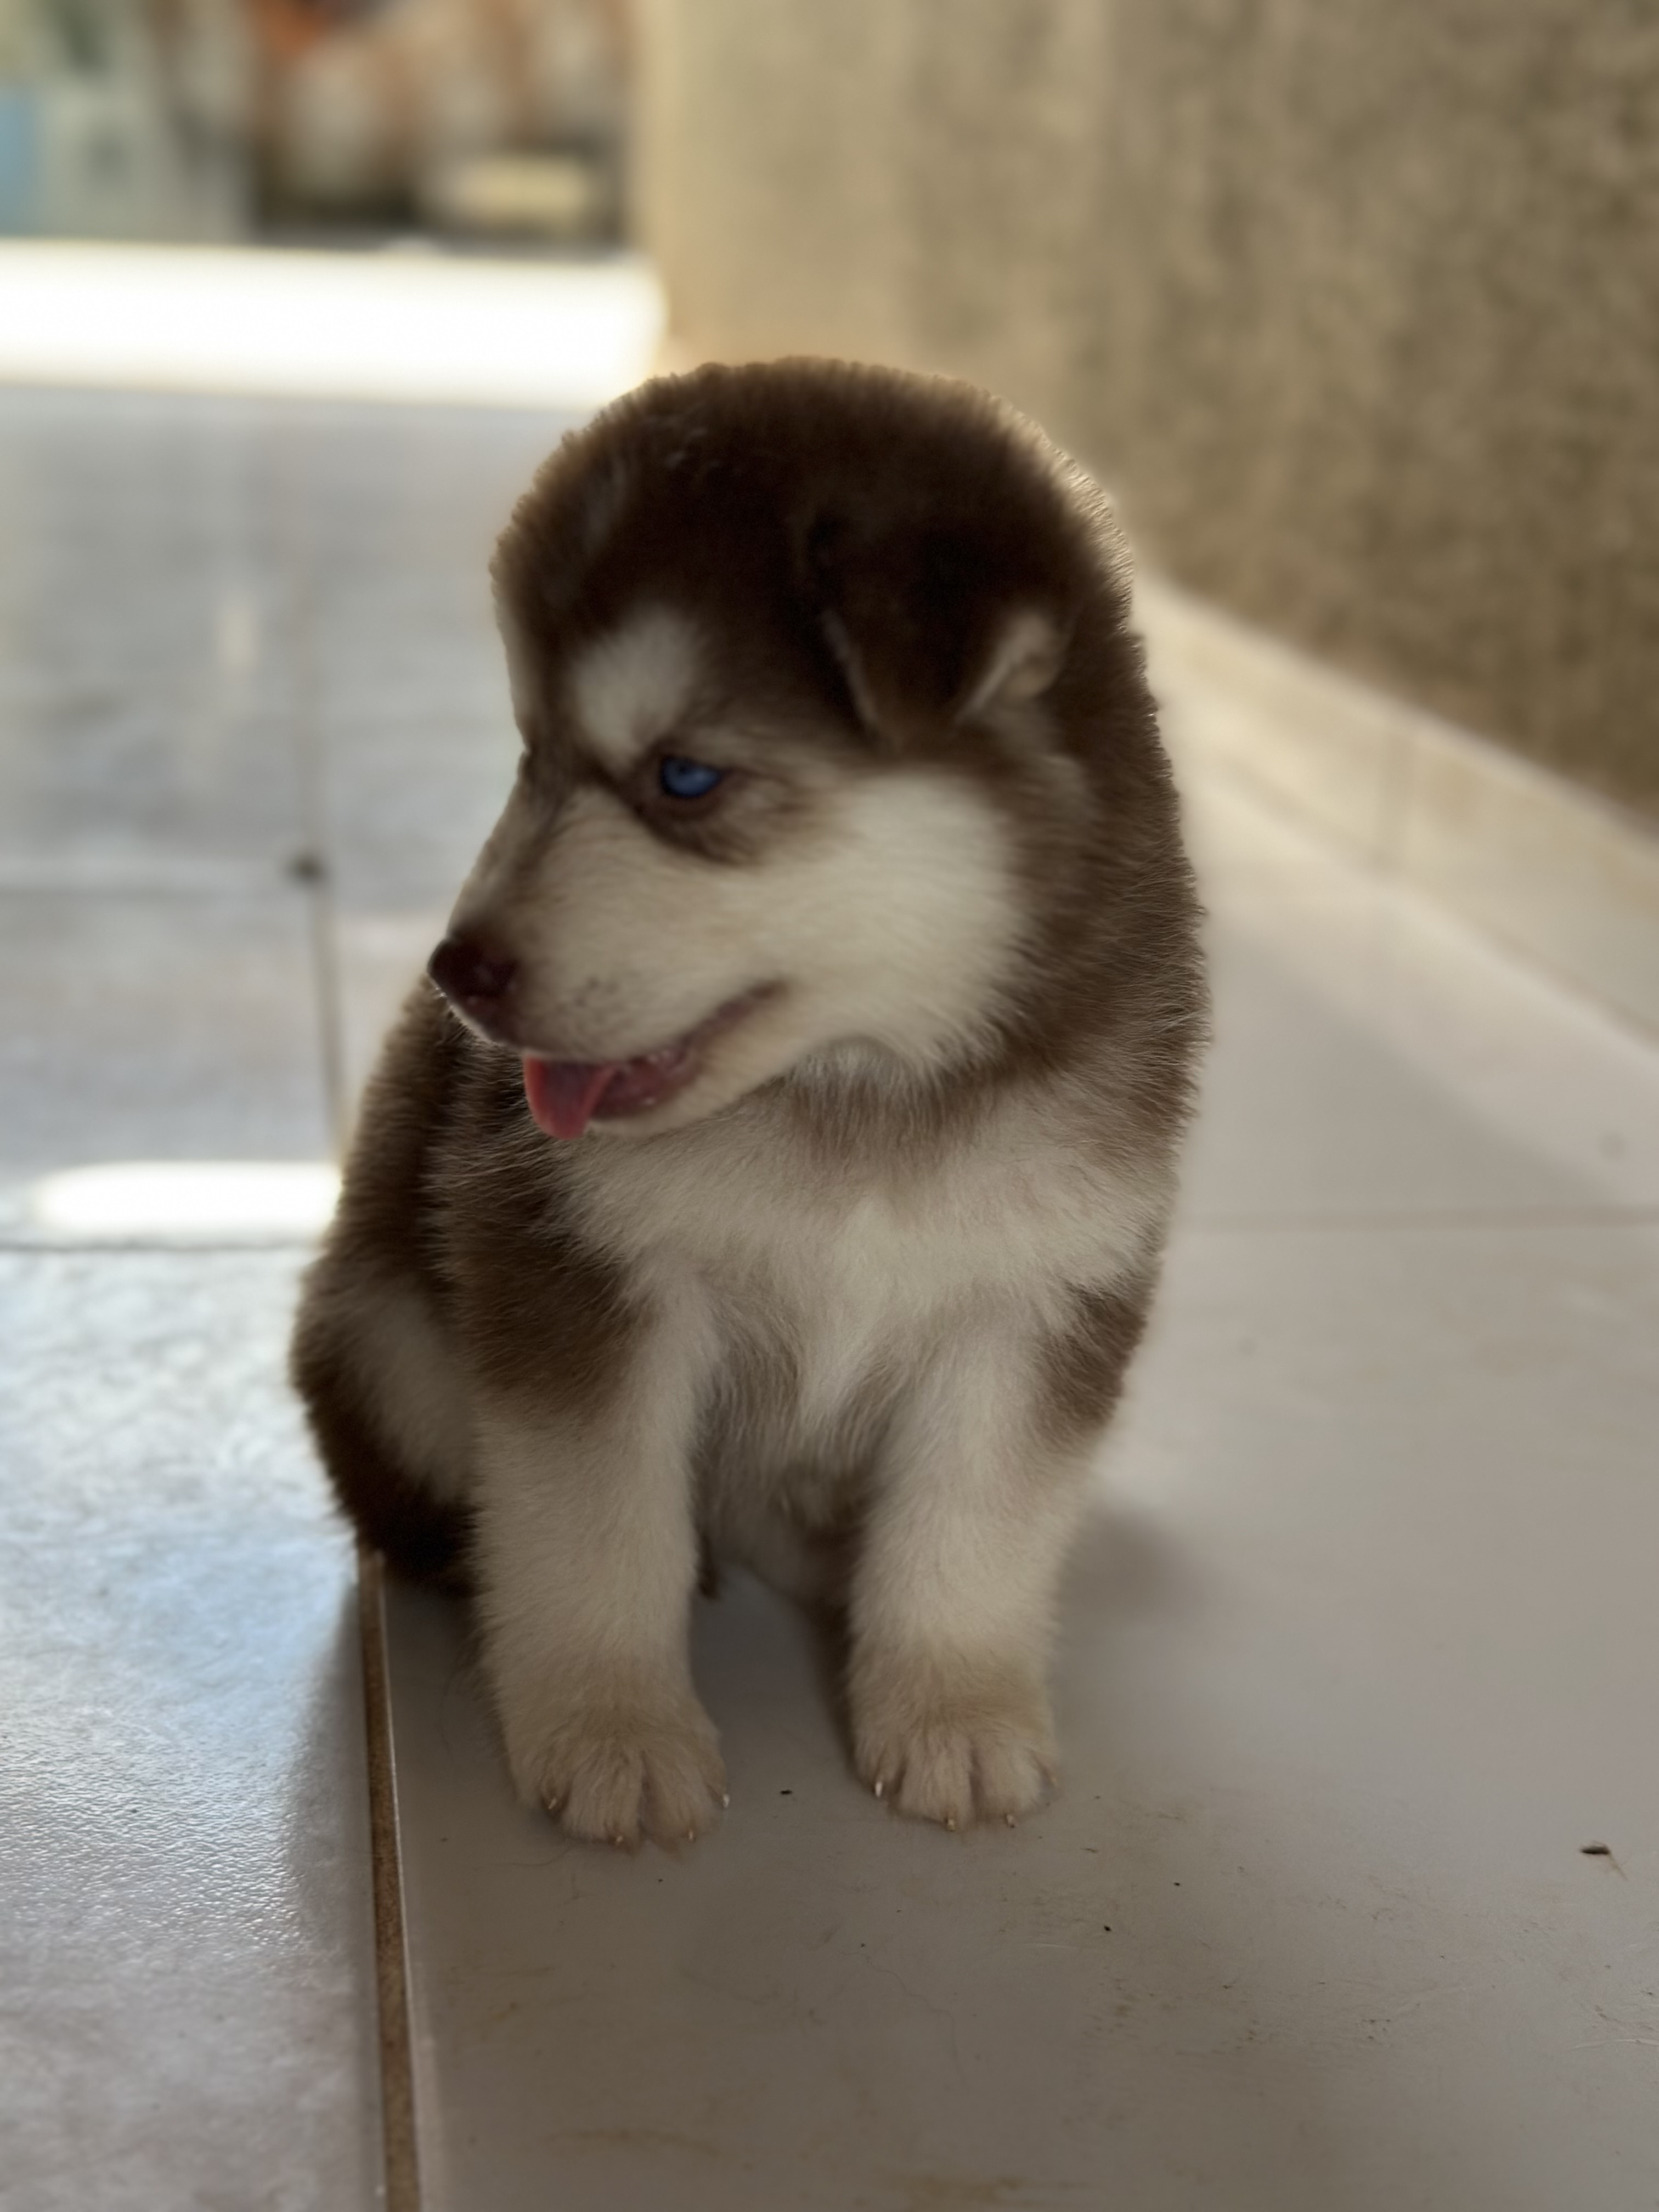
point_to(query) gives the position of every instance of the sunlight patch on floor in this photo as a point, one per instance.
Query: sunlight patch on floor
(171, 1199)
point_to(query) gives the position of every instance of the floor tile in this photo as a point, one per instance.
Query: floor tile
(1560, 873)
(111, 793)
(1230, 694)
(1240, 848)
(186, 1970)
(399, 510)
(146, 663)
(172, 1029)
(411, 721)
(1356, 1658)
(409, 801)
(1374, 1056)
(201, 600)
(1539, 862)
(378, 958)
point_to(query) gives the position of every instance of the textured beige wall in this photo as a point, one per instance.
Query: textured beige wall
(1356, 305)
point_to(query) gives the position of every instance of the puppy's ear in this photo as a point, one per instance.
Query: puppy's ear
(925, 623)
(1022, 661)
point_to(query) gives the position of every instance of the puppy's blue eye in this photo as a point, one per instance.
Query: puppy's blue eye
(687, 779)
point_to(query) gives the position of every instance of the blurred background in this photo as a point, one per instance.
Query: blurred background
(229, 119)
(1356, 309)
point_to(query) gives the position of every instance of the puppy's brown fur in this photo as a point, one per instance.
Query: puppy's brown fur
(853, 1300)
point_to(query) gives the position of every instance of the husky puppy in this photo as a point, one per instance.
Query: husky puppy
(779, 1169)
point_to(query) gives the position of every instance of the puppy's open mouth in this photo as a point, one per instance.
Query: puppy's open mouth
(566, 1095)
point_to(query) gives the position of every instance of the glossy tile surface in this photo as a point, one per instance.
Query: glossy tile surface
(178, 1028)
(243, 651)
(378, 955)
(186, 1989)
(1374, 1057)
(148, 681)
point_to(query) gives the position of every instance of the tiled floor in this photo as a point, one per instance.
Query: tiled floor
(1360, 1650)
(223, 625)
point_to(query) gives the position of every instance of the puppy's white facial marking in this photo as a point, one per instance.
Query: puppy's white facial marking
(890, 920)
(521, 679)
(630, 688)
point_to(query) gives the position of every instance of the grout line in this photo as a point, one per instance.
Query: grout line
(314, 868)
(400, 2151)
(400, 2138)
(400, 2154)
(325, 973)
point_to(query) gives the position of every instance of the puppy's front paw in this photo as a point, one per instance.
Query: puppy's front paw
(613, 1774)
(979, 1747)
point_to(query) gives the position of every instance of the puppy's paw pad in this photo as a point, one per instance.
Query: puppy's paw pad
(618, 1778)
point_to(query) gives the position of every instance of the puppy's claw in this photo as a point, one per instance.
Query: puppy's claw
(725, 1797)
(1009, 1818)
(691, 1835)
(950, 1761)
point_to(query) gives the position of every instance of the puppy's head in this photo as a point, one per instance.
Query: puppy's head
(781, 641)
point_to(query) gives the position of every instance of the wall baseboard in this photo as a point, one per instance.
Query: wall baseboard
(1560, 875)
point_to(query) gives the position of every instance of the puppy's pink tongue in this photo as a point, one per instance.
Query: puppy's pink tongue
(564, 1093)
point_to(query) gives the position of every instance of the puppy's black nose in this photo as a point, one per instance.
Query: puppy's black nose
(474, 976)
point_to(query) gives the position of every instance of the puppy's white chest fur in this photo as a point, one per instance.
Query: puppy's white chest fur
(858, 1268)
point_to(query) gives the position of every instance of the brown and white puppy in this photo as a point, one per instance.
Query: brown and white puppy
(840, 910)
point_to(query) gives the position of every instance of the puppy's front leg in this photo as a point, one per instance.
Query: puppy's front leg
(586, 1558)
(981, 1486)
